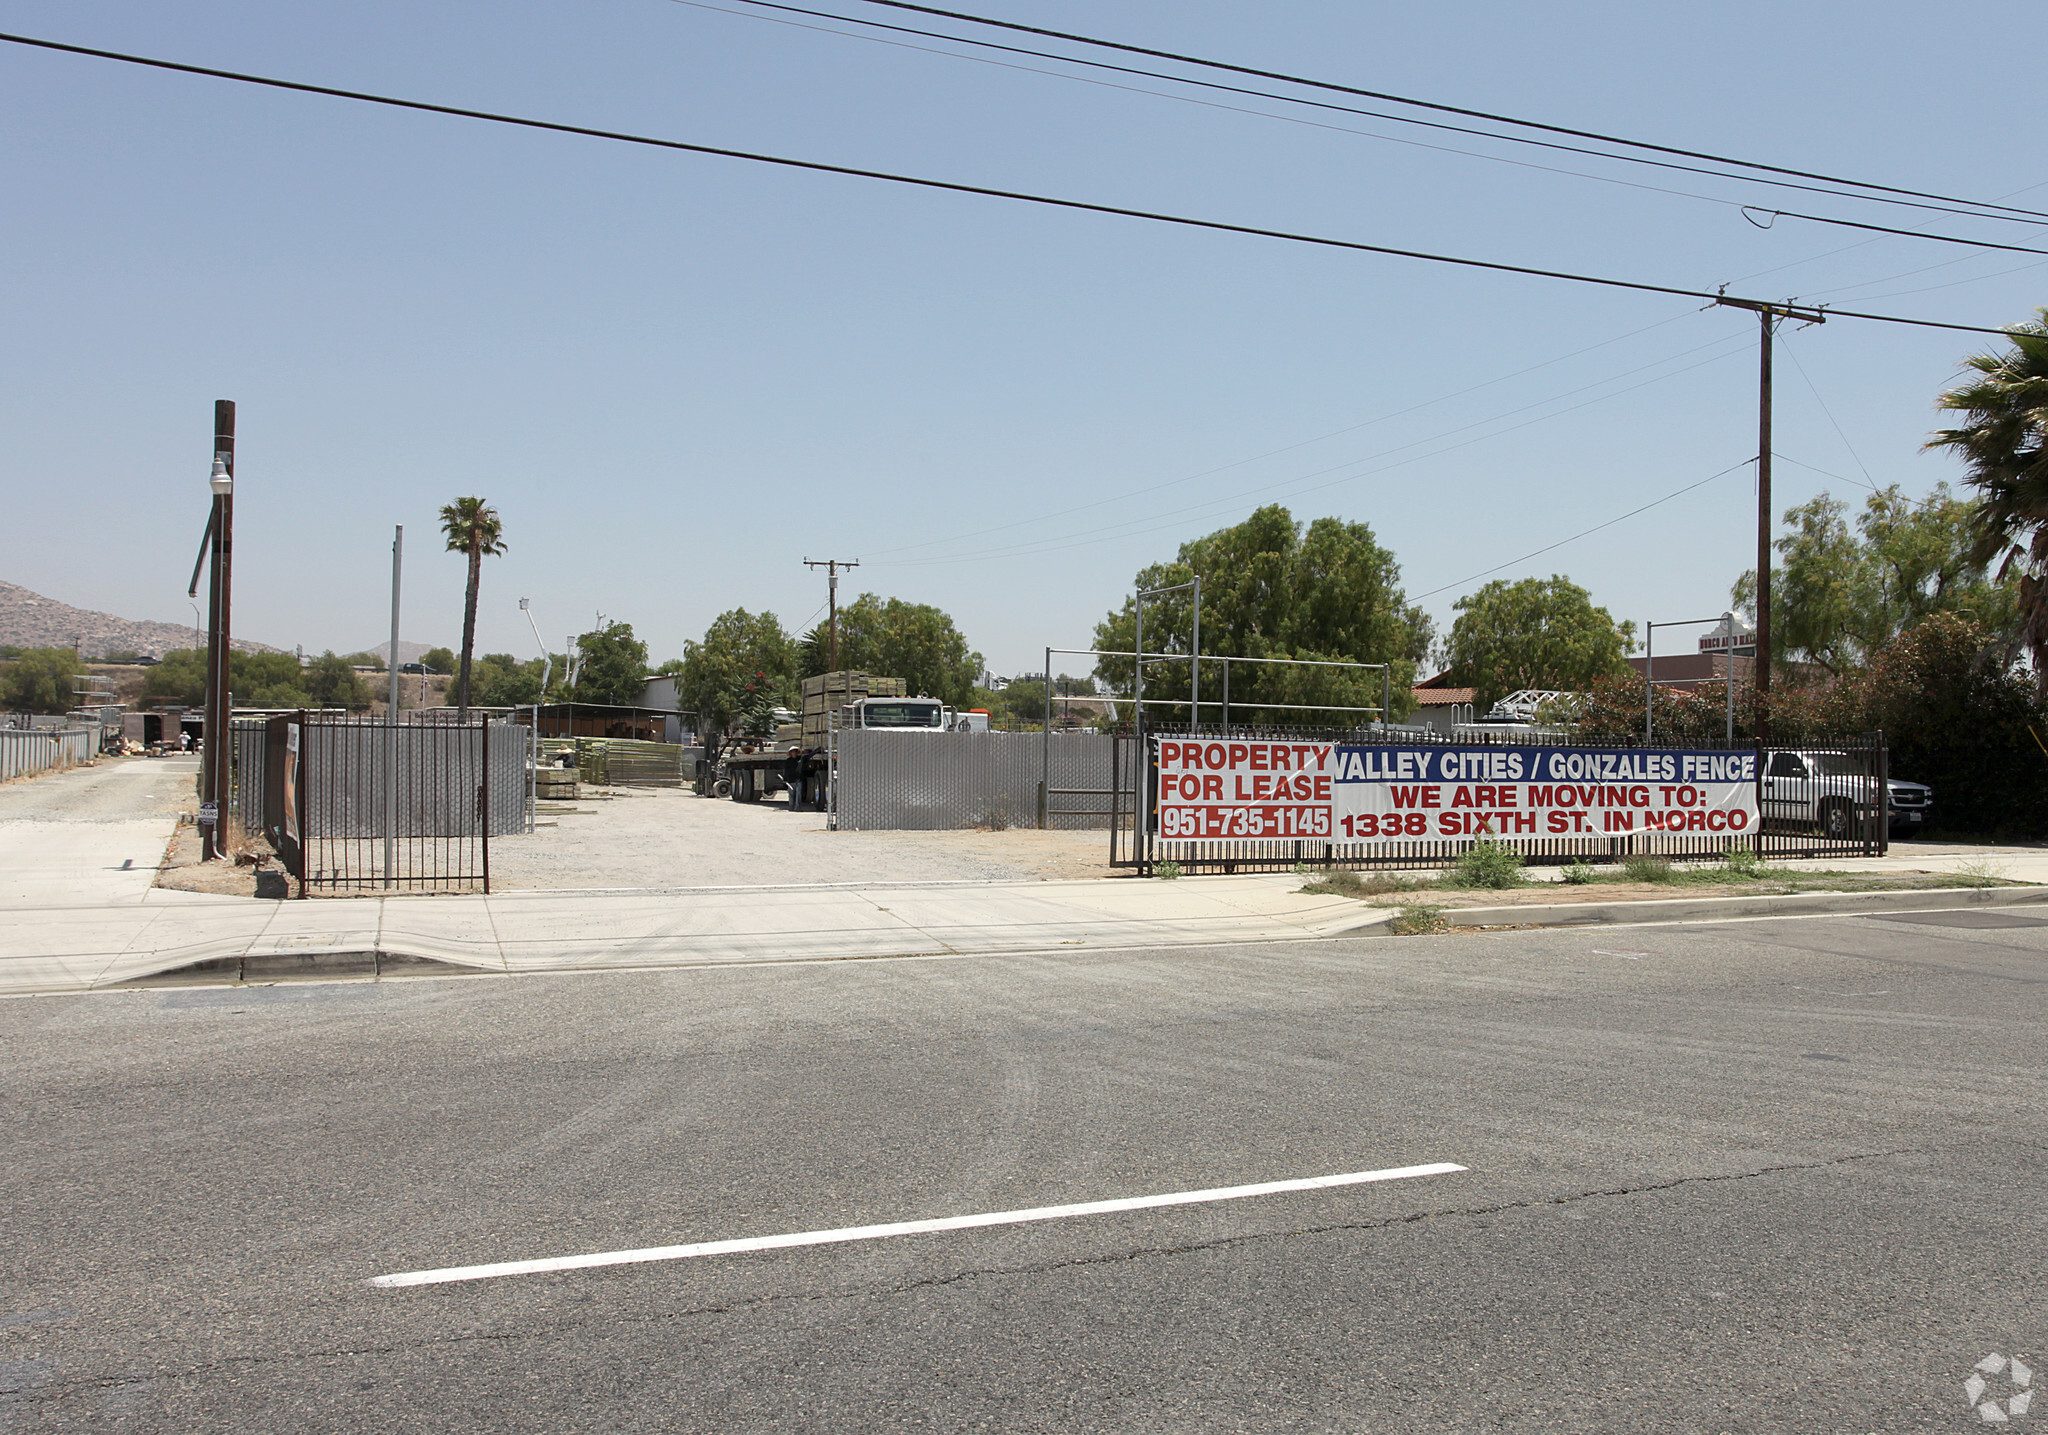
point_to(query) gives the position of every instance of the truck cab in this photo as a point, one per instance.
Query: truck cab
(900, 714)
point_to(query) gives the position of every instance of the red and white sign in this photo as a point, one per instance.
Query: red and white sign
(1217, 790)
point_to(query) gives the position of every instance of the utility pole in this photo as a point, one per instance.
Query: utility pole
(391, 719)
(832, 567)
(1768, 316)
(213, 758)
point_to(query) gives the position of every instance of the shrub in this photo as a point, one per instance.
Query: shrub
(1419, 922)
(1577, 872)
(1166, 871)
(1643, 868)
(1486, 864)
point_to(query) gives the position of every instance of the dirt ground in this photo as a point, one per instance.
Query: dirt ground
(662, 837)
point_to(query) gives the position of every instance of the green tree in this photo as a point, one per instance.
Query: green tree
(611, 667)
(41, 680)
(366, 660)
(179, 677)
(255, 680)
(2004, 447)
(333, 682)
(739, 651)
(912, 641)
(441, 660)
(1842, 594)
(1274, 588)
(472, 528)
(1532, 633)
(502, 681)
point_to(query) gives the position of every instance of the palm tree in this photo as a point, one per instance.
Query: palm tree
(2004, 445)
(472, 527)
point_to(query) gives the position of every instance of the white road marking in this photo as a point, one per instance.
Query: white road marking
(1632, 956)
(901, 1228)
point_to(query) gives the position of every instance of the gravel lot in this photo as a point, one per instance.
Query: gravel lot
(658, 837)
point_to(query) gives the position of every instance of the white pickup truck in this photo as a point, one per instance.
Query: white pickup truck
(1836, 792)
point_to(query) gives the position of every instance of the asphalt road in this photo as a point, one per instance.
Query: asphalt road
(1755, 1177)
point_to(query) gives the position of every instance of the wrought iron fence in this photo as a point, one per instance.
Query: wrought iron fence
(1827, 800)
(354, 804)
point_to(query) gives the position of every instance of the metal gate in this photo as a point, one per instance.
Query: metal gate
(354, 804)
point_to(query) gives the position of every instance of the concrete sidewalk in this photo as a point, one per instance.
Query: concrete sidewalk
(80, 948)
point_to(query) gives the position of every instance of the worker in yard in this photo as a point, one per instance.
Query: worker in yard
(793, 778)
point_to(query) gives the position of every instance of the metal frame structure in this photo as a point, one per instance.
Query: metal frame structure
(1650, 663)
(1194, 704)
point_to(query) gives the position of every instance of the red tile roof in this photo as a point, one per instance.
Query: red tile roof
(1439, 697)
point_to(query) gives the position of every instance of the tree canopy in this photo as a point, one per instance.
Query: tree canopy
(893, 638)
(2004, 447)
(255, 680)
(1840, 595)
(1532, 633)
(740, 652)
(611, 667)
(332, 682)
(1274, 588)
(41, 680)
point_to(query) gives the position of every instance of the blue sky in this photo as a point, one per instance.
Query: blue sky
(677, 376)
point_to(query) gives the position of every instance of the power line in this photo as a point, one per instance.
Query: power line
(884, 553)
(1978, 213)
(1586, 533)
(1295, 487)
(951, 186)
(1440, 108)
(1887, 229)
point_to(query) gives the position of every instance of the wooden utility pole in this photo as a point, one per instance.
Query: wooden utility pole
(213, 758)
(1768, 316)
(832, 567)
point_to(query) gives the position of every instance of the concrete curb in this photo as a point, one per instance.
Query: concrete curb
(1719, 909)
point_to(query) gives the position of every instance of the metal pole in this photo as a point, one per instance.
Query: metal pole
(1195, 664)
(1045, 753)
(483, 800)
(1226, 697)
(1387, 696)
(1763, 533)
(1729, 619)
(1649, 692)
(391, 719)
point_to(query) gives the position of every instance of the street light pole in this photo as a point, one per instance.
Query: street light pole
(213, 759)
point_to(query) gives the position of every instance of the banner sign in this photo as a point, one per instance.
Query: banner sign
(1219, 790)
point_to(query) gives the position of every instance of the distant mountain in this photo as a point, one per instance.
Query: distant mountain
(30, 620)
(407, 652)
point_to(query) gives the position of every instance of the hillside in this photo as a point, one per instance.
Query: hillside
(30, 620)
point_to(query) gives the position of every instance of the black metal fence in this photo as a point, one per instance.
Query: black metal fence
(1823, 801)
(354, 805)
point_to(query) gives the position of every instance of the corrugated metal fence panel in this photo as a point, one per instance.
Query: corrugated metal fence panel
(894, 781)
(345, 772)
(246, 750)
(24, 751)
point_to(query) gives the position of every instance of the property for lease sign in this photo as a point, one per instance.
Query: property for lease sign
(1219, 790)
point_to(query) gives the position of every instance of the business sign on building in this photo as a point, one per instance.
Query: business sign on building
(1218, 790)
